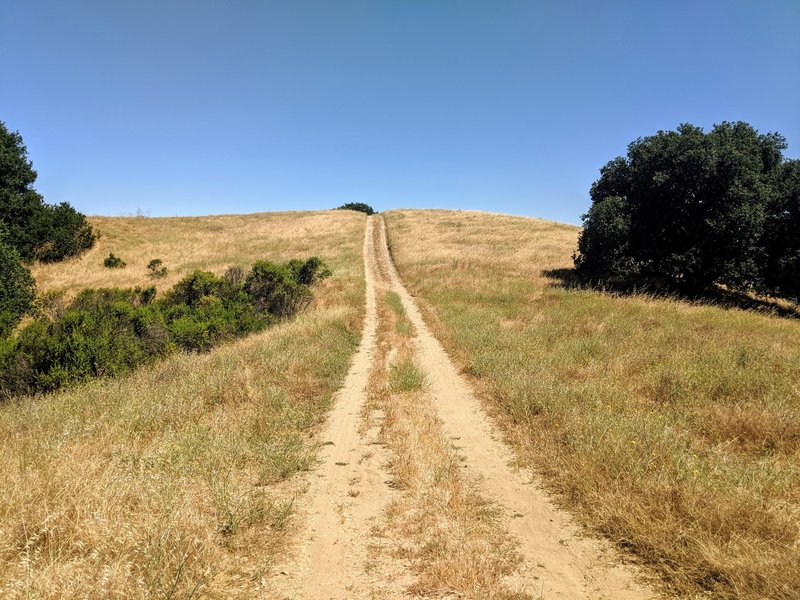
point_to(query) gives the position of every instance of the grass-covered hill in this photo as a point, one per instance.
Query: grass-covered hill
(175, 480)
(671, 427)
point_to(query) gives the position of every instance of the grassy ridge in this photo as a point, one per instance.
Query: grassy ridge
(186, 244)
(175, 481)
(674, 429)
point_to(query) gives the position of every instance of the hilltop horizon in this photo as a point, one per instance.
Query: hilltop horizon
(183, 109)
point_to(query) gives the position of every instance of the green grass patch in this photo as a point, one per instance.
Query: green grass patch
(405, 376)
(402, 325)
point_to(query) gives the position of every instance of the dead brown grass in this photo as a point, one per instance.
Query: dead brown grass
(177, 481)
(672, 428)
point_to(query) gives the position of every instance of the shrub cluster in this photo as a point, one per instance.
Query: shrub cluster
(690, 210)
(107, 332)
(17, 289)
(359, 206)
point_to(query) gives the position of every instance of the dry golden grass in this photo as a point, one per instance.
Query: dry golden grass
(185, 244)
(453, 538)
(672, 428)
(176, 481)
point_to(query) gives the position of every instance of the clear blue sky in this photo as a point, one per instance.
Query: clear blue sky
(197, 107)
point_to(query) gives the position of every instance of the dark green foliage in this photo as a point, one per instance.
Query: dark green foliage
(102, 333)
(310, 271)
(17, 288)
(112, 261)
(64, 232)
(157, 268)
(35, 229)
(16, 171)
(358, 206)
(782, 270)
(691, 210)
(203, 310)
(191, 289)
(108, 332)
(604, 240)
(273, 288)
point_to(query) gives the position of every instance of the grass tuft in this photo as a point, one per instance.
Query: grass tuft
(405, 376)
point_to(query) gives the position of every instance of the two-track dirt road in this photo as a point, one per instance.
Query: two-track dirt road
(350, 491)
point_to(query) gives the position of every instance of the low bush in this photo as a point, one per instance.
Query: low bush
(202, 310)
(274, 288)
(108, 332)
(103, 332)
(157, 268)
(112, 261)
(310, 271)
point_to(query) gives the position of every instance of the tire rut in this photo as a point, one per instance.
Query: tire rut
(348, 490)
(560, 562)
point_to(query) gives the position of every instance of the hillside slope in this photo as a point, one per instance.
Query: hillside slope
(673, 429)
(179, 480)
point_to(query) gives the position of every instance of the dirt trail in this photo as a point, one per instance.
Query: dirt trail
(566, 564)
(349, 491)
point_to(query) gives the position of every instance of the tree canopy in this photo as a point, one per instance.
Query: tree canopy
(358, 206)
(17, 289)
(692, 210)
(35, 229)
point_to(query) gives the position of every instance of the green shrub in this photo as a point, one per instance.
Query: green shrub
(196, 332)
(15, 372)
(17, 289)
(102, 333)
(273, 288)
(310, 271)
(112, 261)
(202, 310)
(108, 332)
(189, 290)
(65, 233)
(157, 268)
(357, 206)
